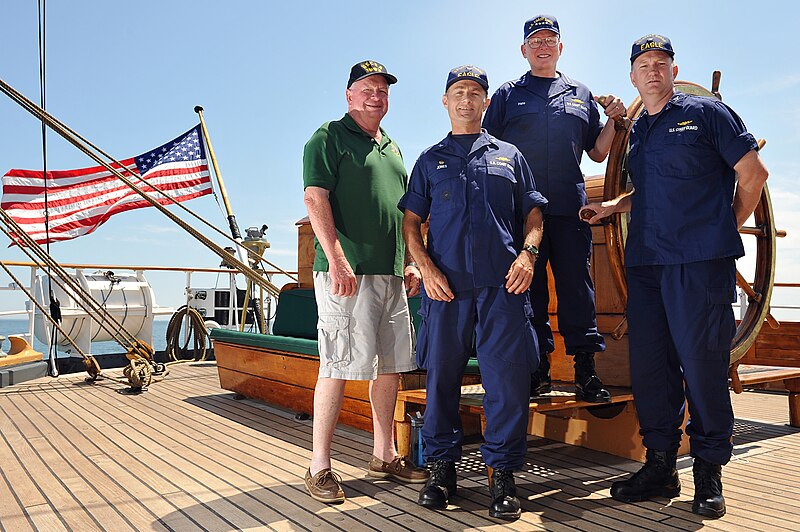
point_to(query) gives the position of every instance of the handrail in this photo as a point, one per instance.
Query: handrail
(135, 268)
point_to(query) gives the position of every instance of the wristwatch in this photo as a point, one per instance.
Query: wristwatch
(530, 248)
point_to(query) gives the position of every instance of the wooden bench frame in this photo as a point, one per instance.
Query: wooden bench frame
(610, 427)
(757, 374)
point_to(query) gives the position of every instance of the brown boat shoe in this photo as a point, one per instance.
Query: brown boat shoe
(400, 469)
(325, 486)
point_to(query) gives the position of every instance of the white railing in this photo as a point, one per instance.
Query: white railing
(742, 300)
(233, 311)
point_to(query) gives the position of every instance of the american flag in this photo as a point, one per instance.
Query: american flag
(79, 201)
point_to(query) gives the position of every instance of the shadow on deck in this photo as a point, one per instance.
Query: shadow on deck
(187, 456)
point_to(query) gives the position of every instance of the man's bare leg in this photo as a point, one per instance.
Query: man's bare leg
(328, 396)
(382, 397)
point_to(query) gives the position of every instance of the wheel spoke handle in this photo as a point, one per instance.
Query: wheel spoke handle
(742, 283)
(759, 231)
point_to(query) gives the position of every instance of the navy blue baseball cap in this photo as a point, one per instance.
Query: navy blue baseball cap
(651, 43)
(478, 75)
(369, 68)
(539, 23)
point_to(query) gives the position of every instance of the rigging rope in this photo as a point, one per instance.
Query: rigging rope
(94, 152)
(62, 130)
(64, 279)
(55, 308)
(88, 360)
(137, 376)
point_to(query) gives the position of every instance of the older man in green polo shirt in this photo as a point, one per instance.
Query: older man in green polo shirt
(354, 176)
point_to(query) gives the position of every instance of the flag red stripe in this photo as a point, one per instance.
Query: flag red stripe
(9, 187)
(56, 215)
(38, 202)
(65, 174)
(80, 200)
(87, 225)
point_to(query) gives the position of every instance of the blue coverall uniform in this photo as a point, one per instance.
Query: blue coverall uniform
(553, 121)
(680, 259)
(478, 203)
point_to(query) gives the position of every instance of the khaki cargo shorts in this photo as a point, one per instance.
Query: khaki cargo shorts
(366, 334)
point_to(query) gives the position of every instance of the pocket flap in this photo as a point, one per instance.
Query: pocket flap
(501, 169)
(333, 322)
(721, 296)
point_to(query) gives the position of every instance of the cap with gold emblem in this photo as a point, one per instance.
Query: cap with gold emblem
(478, 75)
(368, 68)
(539, 23)
(651, 43)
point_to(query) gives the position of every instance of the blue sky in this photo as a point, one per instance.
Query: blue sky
(127, 75)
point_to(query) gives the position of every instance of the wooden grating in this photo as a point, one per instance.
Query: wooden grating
(186, 455)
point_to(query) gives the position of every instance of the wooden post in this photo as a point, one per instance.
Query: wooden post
(793, 385)
(402, 428)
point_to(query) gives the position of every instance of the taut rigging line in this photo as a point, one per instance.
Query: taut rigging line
(64, 280)
(97, 155)
(92, 367)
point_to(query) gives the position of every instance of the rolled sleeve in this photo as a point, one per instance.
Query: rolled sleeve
(417, 199)
(730, 135)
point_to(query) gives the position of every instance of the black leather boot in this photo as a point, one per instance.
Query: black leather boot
(540, 379)
(441, 486)
(708, 499)
(503, 491)
(657, 477)
(588, 386)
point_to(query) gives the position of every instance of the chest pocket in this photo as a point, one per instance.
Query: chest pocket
(518, 108)
(576, 107)
(681, 155)
(500, 188)
(448, 189)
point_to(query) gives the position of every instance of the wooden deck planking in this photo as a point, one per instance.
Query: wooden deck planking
(483, 501)
(12, 515)
(223, 456)
(77, 447)
(249, 462)
(130, 454)
(609, 483)
(186, 456)
(101, 487)
(57, 480)
(282, 426)
(179, 460)
(345, 452)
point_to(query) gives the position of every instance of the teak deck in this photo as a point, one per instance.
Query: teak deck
(185, 455)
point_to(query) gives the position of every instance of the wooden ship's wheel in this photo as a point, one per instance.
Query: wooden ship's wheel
(616, 229)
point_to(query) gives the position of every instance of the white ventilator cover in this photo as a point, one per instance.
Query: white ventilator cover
(130, 301)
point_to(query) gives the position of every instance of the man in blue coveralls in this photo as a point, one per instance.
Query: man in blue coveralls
(485, 225)
(553, 119)
(685, 155)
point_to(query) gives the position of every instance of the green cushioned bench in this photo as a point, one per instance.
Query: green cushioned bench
(295, 327)
(267, 341)
(282, 368)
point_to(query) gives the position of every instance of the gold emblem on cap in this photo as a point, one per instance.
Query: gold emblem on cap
(372, 66)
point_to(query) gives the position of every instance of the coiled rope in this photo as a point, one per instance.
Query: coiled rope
(195, 328)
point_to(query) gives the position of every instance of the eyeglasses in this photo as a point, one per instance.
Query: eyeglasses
(536, 42)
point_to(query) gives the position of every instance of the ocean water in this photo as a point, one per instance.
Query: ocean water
(20, 326)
